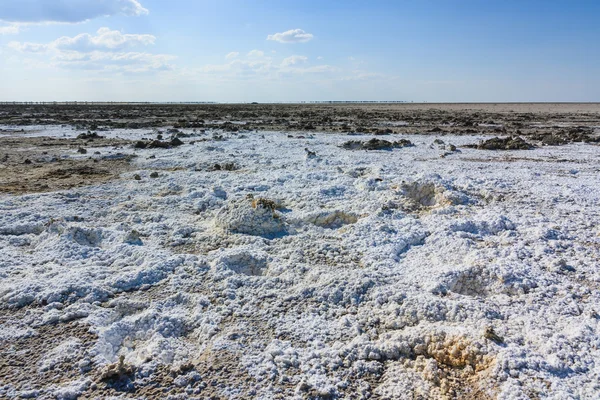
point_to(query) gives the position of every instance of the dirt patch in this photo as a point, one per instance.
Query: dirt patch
(33, 165)
(22, 364)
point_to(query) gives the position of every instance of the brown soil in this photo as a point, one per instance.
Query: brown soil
(31, 165)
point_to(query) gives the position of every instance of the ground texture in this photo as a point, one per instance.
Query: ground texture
(300, 251)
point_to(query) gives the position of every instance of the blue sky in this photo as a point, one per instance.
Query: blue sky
(234, 50)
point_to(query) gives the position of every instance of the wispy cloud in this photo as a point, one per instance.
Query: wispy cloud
(291, 36)
(132, 62)
(105, 39)
(66, 11)
(9, 29)
(360, 75)
(256, 53)
(27, 47)
(293, 60)
(256, 65)
(103, 51)
(232, 55)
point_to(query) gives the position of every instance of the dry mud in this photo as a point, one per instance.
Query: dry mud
(393, 251)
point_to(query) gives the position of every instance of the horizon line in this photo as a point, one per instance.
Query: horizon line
(84, 102)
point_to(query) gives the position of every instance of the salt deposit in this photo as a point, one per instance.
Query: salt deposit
(375, 273)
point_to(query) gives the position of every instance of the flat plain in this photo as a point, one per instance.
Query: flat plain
(300, 251)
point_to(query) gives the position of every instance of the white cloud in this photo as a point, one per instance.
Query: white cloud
(265, 68)
(256, 53)
(10, 29)
(291, 36)
(117, 62)
(318, 69)
(319, 58)
(359, 75)
(232, 55)
(351, 58)
(66, 11)
(28, 47)
(101, 52)
(104, 40)
(293, 60)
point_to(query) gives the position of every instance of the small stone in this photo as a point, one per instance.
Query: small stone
(490, 334)
(176, 142)
(310, 154)
(137, 177)
(154, 175)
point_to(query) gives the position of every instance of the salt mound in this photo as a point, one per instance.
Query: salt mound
(85, 237)
(493, 226)
(482, 282)
(332, 219)
(428, 194)
(251, 217)
(241, 261)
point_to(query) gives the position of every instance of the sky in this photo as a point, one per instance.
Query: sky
(289, 51)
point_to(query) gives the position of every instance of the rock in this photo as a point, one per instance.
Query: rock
(553, 140)
(137, 177)
(118, 372)
(175, 142)
(310, 154)
(491, 335)
(507, 143)
(154, 175)
(449, 148)
(89, 135)
(376, 144)
(157, 144)
(579, 134)
(81, 150)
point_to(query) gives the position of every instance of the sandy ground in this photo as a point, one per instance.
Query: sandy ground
(290, 251)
